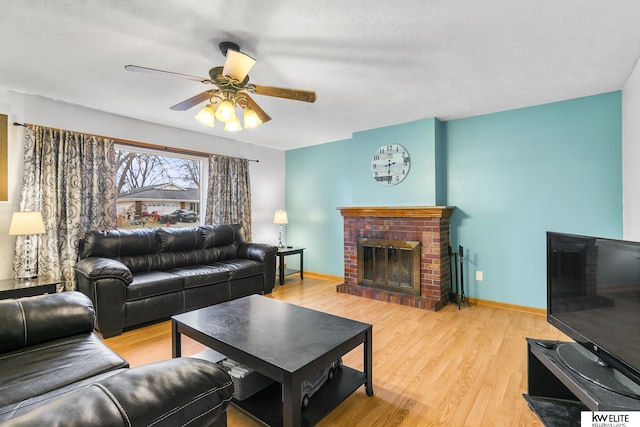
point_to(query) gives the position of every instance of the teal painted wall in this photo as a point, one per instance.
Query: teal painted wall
(322, 178)
(517, 174)
(440, 163)
(318, 179)
(512, 176)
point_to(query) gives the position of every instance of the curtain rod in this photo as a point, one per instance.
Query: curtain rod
(142, 144)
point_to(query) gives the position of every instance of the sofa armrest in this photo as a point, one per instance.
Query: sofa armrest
(94, 268)
(25, 322)
(104, 280)
(256, 251)
(173, 392)
(263, 253)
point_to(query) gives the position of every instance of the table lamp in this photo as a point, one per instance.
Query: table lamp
(280, 218)
(27, 224)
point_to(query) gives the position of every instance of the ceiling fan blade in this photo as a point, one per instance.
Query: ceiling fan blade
(264, 117)
(295, 94)
(194, 100)
(146, 70)
(237, 65)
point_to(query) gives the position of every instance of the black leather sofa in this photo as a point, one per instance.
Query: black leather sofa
(144, 275)
(54, 371)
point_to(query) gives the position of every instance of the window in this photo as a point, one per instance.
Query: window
(158, 189)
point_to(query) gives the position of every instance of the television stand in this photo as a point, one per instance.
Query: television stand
(557, 394)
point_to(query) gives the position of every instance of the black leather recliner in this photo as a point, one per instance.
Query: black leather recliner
(55, 372)
(143, 275)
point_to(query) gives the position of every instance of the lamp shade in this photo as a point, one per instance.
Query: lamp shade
(237, 64)
(280, 217)
(206, 115)
(225, 112)
(26, 223)
(251, 119)
(233, 125)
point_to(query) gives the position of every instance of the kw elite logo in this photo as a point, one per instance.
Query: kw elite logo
(610, 419)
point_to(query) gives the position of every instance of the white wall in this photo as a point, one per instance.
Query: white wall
(267, 176)
(631, 156)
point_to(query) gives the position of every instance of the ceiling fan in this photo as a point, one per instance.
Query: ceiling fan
(232, 89)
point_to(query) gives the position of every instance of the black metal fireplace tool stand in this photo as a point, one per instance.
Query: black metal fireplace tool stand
(458, 296)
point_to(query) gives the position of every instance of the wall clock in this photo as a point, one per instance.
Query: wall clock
(390, 164)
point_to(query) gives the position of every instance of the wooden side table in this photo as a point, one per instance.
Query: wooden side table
(15, 288)
(283, 252)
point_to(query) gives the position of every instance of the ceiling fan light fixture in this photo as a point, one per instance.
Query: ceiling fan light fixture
(226, 111)
(233, 125)
(251, 119)
(237, 65)
(231, 91)
(206, 115)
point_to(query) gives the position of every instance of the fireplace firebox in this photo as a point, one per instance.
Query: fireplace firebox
(393, 265)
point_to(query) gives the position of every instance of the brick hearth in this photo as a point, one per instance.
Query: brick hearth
(428, 225)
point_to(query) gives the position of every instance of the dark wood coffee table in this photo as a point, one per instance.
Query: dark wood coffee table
(286, 343)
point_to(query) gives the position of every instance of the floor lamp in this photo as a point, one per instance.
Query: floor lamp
(280, 218)
(27, 224)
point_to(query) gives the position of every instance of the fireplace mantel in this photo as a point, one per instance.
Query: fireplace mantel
(398, 211)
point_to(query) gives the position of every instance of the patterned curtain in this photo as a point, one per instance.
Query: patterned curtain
(71, 179)
(229, 193)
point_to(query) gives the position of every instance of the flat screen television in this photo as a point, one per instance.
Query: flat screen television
(593, 296)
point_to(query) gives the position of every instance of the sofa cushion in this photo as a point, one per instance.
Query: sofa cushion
(220, 253)
(180, 239)
(45, 367)
(239, 268)
(182, 258)
(117, 243)
(201, 275)
(152, 283)
(158, 307)
(143, 262)
(27, 321)
(205, 296)
(222, 235)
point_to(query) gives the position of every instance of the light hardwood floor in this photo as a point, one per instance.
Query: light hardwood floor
(448, 368)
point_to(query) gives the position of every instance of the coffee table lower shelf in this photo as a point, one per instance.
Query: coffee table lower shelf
(266, 405)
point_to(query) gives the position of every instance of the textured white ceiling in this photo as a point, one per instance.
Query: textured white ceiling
(372, 63)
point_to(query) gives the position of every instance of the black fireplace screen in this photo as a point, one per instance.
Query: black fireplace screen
(389, 264)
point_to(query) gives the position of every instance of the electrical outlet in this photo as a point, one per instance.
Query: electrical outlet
(479, 276)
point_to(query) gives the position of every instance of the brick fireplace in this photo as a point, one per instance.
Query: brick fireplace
(427, 225)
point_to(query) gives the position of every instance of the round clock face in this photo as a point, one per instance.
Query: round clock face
(390, 164)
